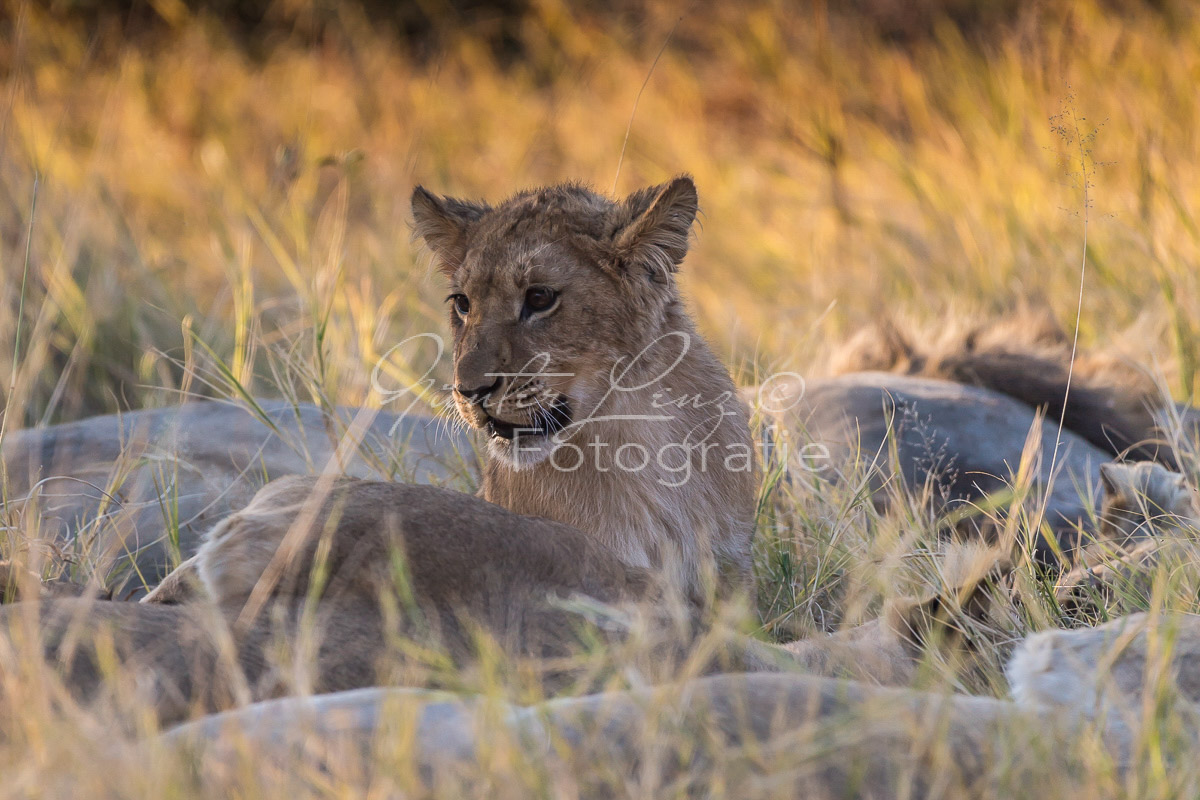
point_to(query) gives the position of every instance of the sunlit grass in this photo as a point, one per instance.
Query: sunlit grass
(209, 222)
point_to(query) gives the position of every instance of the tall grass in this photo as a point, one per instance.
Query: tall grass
(264, 200)
(214, 222)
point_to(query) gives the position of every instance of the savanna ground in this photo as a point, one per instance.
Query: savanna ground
(184, 213)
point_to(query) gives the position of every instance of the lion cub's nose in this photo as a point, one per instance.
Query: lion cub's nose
(478, 394)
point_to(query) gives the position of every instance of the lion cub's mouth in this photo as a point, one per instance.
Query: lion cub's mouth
(544, 423)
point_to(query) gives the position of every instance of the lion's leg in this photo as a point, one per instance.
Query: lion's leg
(182, 585)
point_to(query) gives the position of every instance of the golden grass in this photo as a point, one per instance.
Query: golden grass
(205, 222)
(183, 183)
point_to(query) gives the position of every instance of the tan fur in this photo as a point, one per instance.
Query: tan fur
(371, 539)
(182, 585)
(755, 737)
(335, 571)
(18, 583)
(372, 561)
(1114, 672)
(172, 659)
(619, 351)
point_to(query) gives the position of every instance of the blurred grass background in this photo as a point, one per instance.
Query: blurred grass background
(200, 199)
(241, 179)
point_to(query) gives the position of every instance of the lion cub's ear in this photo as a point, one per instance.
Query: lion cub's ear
(1116, 481)
(443, 223)
(660, 218)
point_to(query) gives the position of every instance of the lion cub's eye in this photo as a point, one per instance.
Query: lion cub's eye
(538, 298)
(461, 304)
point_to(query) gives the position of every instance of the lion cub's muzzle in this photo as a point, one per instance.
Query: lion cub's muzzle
(540, 412)
(543, 422)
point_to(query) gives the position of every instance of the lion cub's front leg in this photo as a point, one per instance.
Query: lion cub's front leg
(182, 585)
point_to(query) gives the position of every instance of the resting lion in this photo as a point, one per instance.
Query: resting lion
(1137, 671)
(317, 584)
(963, 452)
(609, 422)
(574, 358)
(1113, 405)
(968, 419)
(119, 499)
(1092, 712)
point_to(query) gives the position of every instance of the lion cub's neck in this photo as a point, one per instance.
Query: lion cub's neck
(661, 468)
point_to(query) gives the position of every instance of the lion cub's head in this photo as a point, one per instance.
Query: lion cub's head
(1141, 498)
(549, 291)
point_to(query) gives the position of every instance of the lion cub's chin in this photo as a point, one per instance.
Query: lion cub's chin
(522, 452)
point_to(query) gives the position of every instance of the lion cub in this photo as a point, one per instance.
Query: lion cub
(1143, 499)
(575, 359)
(1148, 516)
